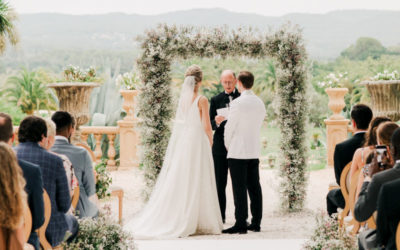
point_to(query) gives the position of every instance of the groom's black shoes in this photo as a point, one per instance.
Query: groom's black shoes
(235, 230)
(253, 228)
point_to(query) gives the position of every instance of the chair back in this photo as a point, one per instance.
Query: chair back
(398, 237)
(91, 153)
(353, 189)
(345, 187)
(47, 214)
(27, 222)
(345, 181)
(371, 222)
(352, 201)
(75, 198)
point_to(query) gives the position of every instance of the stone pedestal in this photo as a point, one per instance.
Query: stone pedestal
(336, 125)
(128, 141)
(336, 132)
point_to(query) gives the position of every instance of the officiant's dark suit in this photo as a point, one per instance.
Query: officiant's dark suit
(219, 101)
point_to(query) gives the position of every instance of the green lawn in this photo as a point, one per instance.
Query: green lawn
(316, 157)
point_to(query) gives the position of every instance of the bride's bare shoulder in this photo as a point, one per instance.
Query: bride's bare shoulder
(203, 100)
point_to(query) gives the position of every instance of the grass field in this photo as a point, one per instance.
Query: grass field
(316, 157)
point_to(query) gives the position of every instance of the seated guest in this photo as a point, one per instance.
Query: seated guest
(33, 179)
(368, 200)
(81, 161)
(361, 154)
(388, 214)
(48, 143)
(33, 130)
(361, 116)
(12, 201)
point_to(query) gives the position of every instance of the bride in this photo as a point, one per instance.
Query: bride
(184, 200)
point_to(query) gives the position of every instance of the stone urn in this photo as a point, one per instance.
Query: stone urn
(74, 97)
(129, 103)
(336, 101)
(385, 97)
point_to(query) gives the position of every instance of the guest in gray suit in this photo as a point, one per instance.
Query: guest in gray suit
(81, 162)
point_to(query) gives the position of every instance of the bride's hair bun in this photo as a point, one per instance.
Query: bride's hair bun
(195, 71)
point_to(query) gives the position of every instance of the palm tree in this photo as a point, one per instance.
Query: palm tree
(29, 93)
(265, 85)
(8, 31)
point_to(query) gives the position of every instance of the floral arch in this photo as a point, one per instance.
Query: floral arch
(167, 43)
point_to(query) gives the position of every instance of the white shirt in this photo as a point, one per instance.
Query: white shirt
(60, 137)
(242, 130)
(231, 97)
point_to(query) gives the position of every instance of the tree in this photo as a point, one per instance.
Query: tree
(8, 31)
(365, 47)
(29, 93)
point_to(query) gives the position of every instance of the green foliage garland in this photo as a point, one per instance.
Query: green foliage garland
(162, 45)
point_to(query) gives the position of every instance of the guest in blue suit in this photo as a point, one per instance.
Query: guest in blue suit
(33, 178)
(32, 130)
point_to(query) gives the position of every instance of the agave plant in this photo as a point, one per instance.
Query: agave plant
(8, 31)
(29, 93)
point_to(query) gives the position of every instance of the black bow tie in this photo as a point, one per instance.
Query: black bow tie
(231, 94)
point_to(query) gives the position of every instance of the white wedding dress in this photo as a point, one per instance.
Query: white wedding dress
(184, 200)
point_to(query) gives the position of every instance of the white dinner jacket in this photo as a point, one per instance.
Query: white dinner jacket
(242, 130)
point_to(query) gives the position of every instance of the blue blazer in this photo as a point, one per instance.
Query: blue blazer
(54, 182)
(34, 189)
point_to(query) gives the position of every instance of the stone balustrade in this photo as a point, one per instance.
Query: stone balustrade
(110, 132)
(128, 146)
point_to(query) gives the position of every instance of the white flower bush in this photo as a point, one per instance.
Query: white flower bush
(329, 235)
(128, 81)
(164, 44)
(333, 80)
(73, 73)
(386, 75)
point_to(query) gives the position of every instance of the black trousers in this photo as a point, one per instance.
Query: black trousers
(246, 179)
(334, 200)
(221, 177)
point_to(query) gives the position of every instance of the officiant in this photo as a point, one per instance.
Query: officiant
(219, 108)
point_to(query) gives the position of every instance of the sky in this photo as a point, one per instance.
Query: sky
(152, 7)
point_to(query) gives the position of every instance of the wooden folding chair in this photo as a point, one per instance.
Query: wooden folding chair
(352, 201)
(42, 230)
(345, 188)
(371, 222)
(75, 198)
(398, 237)
(115, 190)
(27, 222)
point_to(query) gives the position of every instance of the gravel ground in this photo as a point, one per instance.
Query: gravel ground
(275, 224)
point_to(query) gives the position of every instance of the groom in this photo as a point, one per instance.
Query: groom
(222, 100)
(242, 140)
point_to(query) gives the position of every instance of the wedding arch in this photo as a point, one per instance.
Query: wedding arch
(166, 43)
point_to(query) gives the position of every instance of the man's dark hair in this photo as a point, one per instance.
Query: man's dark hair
(395, 141)
(6, 127)
(63, 120)
(246, 78)
(32, 129)
(362, 115)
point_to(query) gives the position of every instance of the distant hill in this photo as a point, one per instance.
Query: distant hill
(326, 34)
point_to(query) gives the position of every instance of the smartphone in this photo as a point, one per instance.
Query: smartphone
(381, 151)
